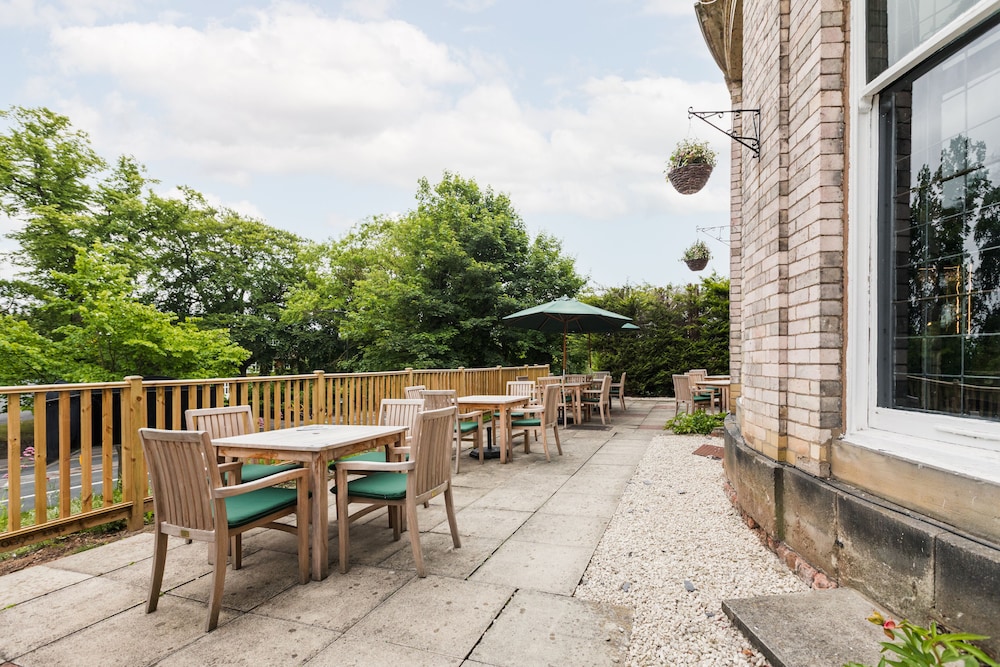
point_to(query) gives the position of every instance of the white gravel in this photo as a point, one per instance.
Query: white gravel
(675, 530)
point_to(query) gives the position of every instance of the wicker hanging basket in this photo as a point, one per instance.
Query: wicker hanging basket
(690, 178)
(697, 264)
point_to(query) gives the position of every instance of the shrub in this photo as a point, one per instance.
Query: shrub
(696, 422)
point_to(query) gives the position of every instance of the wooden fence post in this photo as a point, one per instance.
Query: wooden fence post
(131, 460)
(319, 398)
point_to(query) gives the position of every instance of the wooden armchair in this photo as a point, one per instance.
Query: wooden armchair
(618, 391)
(401, 486)
(541, 418)
(683, 395)
(468, 425)
(227, 421)
(191, 502)
(599, 399)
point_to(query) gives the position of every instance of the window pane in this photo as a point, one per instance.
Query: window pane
(940, 238)
(896, 27)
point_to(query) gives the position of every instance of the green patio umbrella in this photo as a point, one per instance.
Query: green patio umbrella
(567, 316)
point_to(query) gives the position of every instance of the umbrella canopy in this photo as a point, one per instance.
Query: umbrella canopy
(566, 316)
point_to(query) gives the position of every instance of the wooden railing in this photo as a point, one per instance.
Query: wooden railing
(73, 458)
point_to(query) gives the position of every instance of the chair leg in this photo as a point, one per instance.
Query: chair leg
(545, 443)
(218, 582)
(159, 560)
(343, 520)
(418, 556)
(449, 505)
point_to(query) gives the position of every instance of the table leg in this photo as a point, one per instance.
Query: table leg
(502, 433)
(320, 518)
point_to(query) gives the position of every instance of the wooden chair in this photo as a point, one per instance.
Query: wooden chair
(599, 399)
(714, 394)
(522, 388)
(618, 391)
(413, 391)
(391, 412)
(468, 425)
(191, 502)
(401, 486)
(682, 393)
(541, 418)
(228, 421)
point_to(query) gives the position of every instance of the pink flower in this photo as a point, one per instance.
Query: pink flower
(888, 627)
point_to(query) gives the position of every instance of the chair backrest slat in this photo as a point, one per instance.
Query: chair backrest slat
(432, 449)
(435, 399)
(682, 389)
(550, 405)
(521, 388)
(183, 470)
(220, 422)
(413, 391)
(401, 412)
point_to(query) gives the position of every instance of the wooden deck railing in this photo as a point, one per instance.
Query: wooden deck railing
(73, 458)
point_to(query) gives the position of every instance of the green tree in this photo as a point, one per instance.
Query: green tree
(111, 334)
(46, 169)
(680, 328)
(429, 289)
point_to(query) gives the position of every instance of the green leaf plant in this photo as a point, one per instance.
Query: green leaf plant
(916, 646)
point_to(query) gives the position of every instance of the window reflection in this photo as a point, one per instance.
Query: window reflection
(941, 237)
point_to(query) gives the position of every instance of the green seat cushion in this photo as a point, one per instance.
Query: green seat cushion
(468, 427)
(376, 455)
(525, 422)
(248, 507)
(382, 485)
(251, 472)
(588, 399)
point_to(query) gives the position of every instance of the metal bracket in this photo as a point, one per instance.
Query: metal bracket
(719, 233)
(752, 141)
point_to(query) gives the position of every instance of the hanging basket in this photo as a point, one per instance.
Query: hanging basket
(697, 264)
(690, 178)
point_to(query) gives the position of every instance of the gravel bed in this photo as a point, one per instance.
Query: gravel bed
(674, 550)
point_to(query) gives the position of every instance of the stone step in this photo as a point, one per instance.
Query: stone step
(818, 628)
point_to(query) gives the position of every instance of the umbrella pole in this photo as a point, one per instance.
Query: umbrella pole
(565, 328)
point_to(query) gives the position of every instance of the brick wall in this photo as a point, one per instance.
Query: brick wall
(790, 249)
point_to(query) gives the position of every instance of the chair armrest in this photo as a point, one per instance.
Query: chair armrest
(476, 415)
(374, 466)
(262, 483)
(532, 409)
(235, 467)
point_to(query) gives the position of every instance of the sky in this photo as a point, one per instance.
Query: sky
(316, 116)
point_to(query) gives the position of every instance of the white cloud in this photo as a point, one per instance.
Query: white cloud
(368, 9)
(33, 13)
(381, 103)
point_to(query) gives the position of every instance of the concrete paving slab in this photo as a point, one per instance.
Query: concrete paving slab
(442, 558)
(542, 629)
(562, 529)
(112, 556)
(33, 582)
(45, 619)
(346, 652)
(811, 629)
(184, 564)
(264, 574)
(524, 496)
(581, 504)
(435, 614)
(175, 624)
(486, 522)
(253, 640)
(339, 601)
(541, 567)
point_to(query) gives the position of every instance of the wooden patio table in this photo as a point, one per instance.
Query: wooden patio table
(501, 403)
(315, 446)
(717, 383)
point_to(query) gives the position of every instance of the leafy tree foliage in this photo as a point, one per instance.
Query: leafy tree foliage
(679, 329)
(212, 268)
(429, 289)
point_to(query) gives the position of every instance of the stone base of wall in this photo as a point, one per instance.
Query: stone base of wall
(913, 566)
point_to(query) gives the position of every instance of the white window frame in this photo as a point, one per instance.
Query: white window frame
(969, 445)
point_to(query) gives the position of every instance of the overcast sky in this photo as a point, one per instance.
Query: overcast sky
(314, 116)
